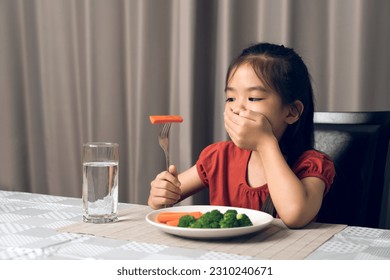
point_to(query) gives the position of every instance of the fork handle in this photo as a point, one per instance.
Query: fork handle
(167, 160)
(167, 164)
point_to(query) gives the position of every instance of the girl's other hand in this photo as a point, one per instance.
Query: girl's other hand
(165, 189)
(247, 129)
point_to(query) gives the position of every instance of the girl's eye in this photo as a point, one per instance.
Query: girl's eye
(230, 99)
(255, 99)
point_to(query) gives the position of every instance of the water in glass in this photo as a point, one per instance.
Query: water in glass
(100, 191)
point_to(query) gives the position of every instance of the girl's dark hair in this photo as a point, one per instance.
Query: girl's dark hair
(283, 70)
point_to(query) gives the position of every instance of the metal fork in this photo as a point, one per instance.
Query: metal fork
(163, 140)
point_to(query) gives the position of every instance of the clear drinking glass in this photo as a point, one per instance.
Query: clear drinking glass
(100, 182)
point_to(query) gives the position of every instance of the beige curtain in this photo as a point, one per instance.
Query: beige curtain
(73, 71)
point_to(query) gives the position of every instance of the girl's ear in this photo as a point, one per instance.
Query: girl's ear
(295, 111)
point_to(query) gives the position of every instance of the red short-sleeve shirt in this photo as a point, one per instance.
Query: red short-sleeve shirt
(222, 167)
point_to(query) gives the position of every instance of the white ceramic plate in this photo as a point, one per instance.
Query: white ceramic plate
(259, 219)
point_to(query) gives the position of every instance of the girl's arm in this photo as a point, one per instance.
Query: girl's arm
(296, 201)
(169, 188)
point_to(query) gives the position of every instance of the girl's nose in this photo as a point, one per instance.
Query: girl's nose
(238, 108)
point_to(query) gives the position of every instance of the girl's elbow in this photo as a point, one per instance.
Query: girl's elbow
(295, 219)
(294, 224)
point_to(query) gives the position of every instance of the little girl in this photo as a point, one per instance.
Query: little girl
(270, 163)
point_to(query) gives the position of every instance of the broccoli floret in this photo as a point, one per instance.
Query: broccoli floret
(243, 220)
(230, 213)
(229, 219)
(197, 224)
(208, 220)
(186, 221)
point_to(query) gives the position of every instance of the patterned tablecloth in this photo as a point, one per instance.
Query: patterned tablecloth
(355, 243)
(30, 223)
(29, 226)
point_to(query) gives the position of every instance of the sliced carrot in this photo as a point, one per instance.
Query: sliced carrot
(164, 217)
(165, 119)
(173, 223)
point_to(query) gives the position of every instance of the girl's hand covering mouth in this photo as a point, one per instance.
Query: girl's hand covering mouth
(247, 129)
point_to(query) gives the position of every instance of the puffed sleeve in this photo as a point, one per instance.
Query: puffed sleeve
(205, 165)
(315, 164)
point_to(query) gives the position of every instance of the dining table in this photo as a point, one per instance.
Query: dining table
(50, 227)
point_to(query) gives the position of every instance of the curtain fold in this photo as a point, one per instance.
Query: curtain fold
(94, 70)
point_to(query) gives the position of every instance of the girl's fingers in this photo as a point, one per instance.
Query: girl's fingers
(169, 177)
(165, 188)
(165, 193)
(172, 169)
(163, 196)
(232, 117)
